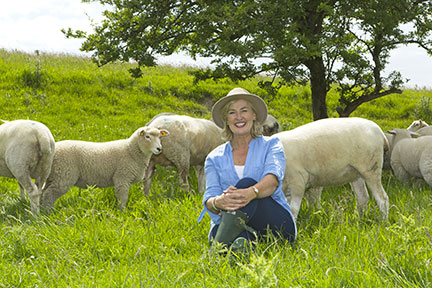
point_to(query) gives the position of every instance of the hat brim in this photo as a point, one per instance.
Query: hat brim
(256, 101)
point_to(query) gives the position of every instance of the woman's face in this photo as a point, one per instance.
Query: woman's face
(240, 117)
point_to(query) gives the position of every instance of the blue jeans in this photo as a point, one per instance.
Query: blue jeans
(264, 214)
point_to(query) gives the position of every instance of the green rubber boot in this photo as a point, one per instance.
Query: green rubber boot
(231, 225)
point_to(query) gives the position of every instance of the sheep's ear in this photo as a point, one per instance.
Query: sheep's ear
(142, 132)
(414, 134)
(164, 132)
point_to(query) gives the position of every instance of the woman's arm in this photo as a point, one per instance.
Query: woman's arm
(234, 198)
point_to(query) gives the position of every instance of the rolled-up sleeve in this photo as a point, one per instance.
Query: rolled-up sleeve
(275, 160)
(213, 187)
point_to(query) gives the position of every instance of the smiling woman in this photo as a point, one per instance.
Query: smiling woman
(244, 176)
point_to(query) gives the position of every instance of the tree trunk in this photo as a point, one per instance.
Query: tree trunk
(319, 89)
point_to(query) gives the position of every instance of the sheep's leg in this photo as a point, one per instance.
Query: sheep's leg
(148, 176)
(362, 196)
(313, 196)
(22, 192)
(122, 194)
(373, 182)
(52, 192)
(294, 193)
(199, 170)
(182, 164)
(26, 184)
(33, 192)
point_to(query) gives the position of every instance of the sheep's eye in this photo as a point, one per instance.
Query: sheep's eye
(147, 137)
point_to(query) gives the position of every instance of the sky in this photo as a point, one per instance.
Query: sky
(30, 25)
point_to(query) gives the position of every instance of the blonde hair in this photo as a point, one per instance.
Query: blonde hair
(256, 129)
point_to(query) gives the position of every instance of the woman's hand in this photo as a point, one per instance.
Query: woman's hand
(233, 198)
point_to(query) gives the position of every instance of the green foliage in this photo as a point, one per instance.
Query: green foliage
(347, 43)
(423, 109)
(156, 242)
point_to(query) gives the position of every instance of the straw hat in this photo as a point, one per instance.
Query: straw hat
(239, 93)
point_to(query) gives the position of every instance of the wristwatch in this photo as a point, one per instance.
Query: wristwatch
(255, 190)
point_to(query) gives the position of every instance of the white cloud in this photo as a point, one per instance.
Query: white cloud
(30, 25)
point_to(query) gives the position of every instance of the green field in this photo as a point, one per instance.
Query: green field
(156, 242)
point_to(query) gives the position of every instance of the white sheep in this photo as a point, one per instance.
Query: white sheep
(187, 145)
(411, 157)
(336, 151)
(26, 152)
(425, 131)
(271, 126)
(119, 163)
(417, 124)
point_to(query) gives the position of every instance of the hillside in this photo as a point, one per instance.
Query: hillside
(70, 90)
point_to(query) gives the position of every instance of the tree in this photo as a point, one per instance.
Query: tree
(323, 42)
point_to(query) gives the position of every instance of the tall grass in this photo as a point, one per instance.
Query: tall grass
(156, 242)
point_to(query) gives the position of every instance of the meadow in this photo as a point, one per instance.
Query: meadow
(156, 242)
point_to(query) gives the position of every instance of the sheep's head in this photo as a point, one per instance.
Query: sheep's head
(417, 124)
(271, 126)
(399, 134)
(150, 138)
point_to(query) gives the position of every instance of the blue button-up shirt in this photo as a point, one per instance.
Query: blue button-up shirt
(265, 156)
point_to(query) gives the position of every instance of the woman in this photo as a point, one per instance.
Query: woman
(244, 175)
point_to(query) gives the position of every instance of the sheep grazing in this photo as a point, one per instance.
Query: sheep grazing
(26, 152)
(271, 126)
(118, 163)
(336, 151)
(411, 157)
(187, 145)
(417, 124)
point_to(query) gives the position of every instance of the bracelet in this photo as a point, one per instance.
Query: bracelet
(214, 206)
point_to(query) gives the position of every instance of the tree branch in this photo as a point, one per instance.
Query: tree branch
(352, 105)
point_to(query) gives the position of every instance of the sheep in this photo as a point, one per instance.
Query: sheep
(188, 144)
(331, 152)
(425, 131)
(26, 152)
(417, 124)
(411, 157)
(119, 163)
(271, 126)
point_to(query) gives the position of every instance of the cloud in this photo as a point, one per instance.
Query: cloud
(30, 25)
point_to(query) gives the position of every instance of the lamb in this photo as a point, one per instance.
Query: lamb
(411, 157)
(331, 152)
(271, 126)
(189, 142)
(119, 163)
(417, 124)
(425, 131)
(26, 152)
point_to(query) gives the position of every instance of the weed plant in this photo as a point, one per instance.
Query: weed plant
(156, 242)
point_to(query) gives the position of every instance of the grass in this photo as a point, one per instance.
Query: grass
(156, 242)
